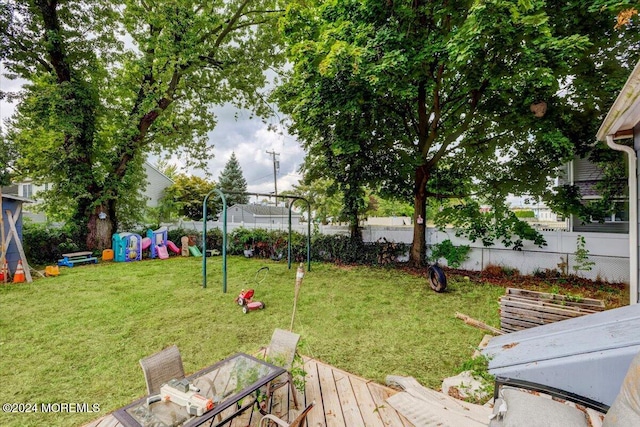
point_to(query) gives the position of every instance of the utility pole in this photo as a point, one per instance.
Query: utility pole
(276, 166)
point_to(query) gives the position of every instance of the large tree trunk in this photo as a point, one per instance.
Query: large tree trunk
(418, 252)
(101, 226)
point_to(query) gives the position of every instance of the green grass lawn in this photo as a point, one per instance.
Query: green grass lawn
(77, 338)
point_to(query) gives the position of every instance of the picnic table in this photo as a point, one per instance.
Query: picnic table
(72, 258)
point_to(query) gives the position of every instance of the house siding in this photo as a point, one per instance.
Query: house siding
(157, 182)
(586, 175)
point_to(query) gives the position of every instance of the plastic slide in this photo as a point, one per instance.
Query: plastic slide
(195, 251)
(146, 242)
(172, 247)
(162, 251)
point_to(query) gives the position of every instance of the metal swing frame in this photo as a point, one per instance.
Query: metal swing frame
(224, 232)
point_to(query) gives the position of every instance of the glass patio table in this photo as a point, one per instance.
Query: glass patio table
(226, 383)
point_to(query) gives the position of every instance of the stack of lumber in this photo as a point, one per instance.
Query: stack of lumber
(522, 309)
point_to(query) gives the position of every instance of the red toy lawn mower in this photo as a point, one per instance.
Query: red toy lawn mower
(245, 299)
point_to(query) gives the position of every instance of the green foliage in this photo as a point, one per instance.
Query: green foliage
(344, 250)
(455, 255)
(267, 243)
(93, 109)
(187, 194)
(385, 207)
(479, 367)
(582, 261)
(471, 221)
(45, 244)
(436, 100)
(325, 201)
(7, 158)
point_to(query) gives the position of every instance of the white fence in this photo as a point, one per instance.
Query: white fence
(609, 251)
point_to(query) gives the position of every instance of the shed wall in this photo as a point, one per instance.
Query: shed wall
(12, 250)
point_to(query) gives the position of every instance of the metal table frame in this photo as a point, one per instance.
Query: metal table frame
(127, 420)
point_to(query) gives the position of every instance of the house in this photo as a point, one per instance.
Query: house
(585, 175)
(623, 123)
(157, 182)
(260, 214)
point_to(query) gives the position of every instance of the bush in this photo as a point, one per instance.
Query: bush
(455, 255)
(342, 249)
(44, 244)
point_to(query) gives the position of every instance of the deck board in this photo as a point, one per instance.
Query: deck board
(341, 400)
(332, 407)
(368, 410)
(348, 402)
(315, 418)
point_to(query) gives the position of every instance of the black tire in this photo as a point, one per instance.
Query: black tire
(437, 279)
(263, 306)
(245, 309)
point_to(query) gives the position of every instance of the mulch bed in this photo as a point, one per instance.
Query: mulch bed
(613, 294)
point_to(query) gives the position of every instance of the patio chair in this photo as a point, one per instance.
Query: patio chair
(162, 367)
(300, 420)
(282, 351)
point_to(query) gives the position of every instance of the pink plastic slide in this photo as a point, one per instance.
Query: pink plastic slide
(173, 247)
(161, 250)
(146, 242)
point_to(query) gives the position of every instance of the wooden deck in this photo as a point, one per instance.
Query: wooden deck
(341, 400)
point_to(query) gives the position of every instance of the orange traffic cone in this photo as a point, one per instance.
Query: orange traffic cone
(18, 277)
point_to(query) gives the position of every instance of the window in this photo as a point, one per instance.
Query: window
(27, 190)
(621, 213)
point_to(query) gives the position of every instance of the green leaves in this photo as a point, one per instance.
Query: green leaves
(96, 106)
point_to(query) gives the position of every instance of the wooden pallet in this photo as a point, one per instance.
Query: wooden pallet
(522, 309)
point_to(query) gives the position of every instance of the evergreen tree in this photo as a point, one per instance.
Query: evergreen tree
(232, 180)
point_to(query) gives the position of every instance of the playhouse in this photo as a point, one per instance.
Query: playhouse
(158, 246)
(126, 247)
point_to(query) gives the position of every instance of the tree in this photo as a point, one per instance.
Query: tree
(187, 194)
(170, 170)
(6, 156)
(467, 98)
(326, 205)
(232, 180)
(95, 106)
(391, 207)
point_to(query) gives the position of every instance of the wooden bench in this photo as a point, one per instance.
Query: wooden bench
(72, 258)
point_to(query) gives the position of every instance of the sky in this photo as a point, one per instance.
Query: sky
(250, 139)
(237, 132)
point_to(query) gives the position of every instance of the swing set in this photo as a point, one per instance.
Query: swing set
(224, 232)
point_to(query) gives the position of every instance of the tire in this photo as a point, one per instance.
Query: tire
(245, 309)
(437, 279)
(263, 306)
(240, 301)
